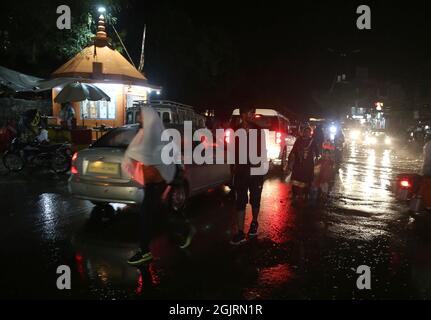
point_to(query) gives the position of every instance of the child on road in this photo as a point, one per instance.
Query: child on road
(323, 175)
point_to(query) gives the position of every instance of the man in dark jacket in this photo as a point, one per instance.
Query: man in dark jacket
(244, 179)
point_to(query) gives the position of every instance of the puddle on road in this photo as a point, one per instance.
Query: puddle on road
(270, 279)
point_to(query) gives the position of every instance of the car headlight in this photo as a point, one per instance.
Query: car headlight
(371, 140)
(333, 129)
(354, 135)
(388, 140)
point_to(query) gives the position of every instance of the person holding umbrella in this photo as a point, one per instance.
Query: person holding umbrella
(76, 92)
(67, 115)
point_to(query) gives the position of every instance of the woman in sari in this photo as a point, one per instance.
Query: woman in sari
(301, 160)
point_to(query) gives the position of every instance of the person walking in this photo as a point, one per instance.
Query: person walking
(67, 115)
(319, 138)
(143, 162)
(301, 160)
(425, 189)
(323, 176)
(244, 181)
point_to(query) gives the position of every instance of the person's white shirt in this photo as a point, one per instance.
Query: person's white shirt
(42, 136)
(426, 169)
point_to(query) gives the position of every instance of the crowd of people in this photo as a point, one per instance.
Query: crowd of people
(311, 167)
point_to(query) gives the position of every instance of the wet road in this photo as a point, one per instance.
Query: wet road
(301, 252)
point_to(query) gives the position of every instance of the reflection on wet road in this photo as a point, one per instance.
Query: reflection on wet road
(301, 252)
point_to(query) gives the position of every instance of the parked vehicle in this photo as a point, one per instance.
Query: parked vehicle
(21, 154)
(412, 188)
(97, 174)
(279, 141)
(171, 113)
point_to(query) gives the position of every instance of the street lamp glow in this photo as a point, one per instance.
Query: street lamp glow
(101, 9)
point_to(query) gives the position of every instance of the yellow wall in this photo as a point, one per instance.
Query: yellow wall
(120, 107)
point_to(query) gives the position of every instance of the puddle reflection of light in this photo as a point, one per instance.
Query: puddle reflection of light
(80, 265)
(349, 177)
(386, 159)
(47, 210)
(353, 150)
(147, 278)
(102, 274)
(368, 184)
(386, 171)
(46, 205)
(277, 217)
(371, 159)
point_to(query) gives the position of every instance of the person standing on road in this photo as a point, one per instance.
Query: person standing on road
(301, 160)
(323, 176)
(244, 181)
(143, 162)
(319, 137)
(425, 189)
(426, 168)
(67, 115)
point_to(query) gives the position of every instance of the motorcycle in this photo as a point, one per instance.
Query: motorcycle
(20, 154)
(411, 188)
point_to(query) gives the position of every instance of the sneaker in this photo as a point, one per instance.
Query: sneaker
(140, 258)
(189, 238)
(253, 229)
(238, 239)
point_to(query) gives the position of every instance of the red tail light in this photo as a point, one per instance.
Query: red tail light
(227, 136)
(137, 172)
(405, 183)
(278, 138)
(74, 169)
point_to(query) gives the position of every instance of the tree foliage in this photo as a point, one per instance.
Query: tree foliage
(29, 38)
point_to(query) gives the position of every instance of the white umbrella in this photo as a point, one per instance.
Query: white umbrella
(77, 91)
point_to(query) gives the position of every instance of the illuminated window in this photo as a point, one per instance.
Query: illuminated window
(98, 110)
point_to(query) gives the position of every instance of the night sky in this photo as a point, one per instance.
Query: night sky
(281, 48)
(219, 54)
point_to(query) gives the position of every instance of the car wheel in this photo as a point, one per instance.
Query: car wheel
(60, 163)
(178, 197)
(102, 212)
(13, 162)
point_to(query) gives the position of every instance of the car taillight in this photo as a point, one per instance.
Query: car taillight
(278, 138)
(73, 168)
(137, 172)
(405, 183)
(227, 136)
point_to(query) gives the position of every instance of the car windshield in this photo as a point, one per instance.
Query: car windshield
(117, 138)
(265, 122)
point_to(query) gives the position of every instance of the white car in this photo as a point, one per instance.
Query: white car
(97, 175)
(279, 142)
